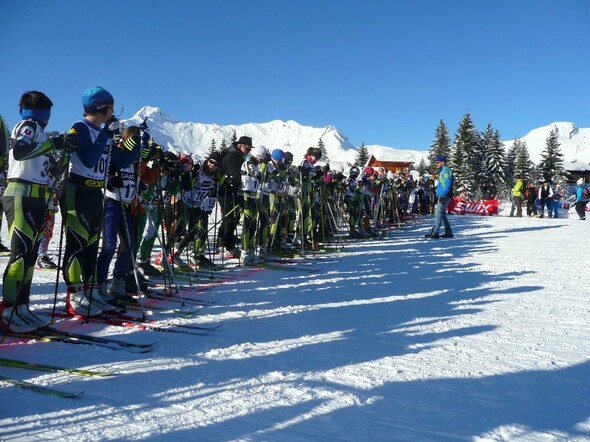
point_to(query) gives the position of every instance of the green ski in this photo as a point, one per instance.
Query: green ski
(15, 363)
(38, 388)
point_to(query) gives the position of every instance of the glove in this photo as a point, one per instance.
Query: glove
(195, 171)
(156, 152)
(145, 152)
(179, 169)
(441, 199)
(67, 142)
(131, 143)
(153, 151)
(186, 182)
(112, 126)
(116, 182)
(304, 171)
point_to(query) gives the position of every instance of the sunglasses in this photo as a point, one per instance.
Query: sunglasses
(213, 162)
(106, 106)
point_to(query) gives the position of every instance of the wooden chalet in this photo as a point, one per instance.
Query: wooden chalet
(394, 164)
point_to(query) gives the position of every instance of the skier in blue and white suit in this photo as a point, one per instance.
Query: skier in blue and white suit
(444, 193)
(25, 207)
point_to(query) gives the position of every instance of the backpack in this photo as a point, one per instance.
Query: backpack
(586, 193)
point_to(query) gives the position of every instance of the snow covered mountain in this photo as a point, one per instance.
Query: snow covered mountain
(574, 144)
(195, 138)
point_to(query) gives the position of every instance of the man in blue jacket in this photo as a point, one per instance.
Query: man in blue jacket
(444, 193)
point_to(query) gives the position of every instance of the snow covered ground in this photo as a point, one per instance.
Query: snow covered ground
(483, 337)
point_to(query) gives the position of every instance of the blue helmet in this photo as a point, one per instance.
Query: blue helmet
(278, 155)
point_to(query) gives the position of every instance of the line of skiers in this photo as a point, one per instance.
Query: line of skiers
(119, 193)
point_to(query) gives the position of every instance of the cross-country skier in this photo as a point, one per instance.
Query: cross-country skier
(118, 222)
(82, 201)
(25, 206)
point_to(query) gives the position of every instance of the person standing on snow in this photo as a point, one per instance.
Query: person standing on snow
(229, 200)
(517, 194)
(82, 200)
(251, 176)
(444, 193)
(546, 197)
(25, 205)
(557, 195)
(581, 201)
(118, 221)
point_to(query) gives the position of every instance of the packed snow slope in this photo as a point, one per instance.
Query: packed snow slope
(483, 337)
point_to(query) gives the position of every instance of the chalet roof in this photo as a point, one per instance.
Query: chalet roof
(387, 154)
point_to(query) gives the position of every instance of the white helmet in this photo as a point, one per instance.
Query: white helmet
(580, 182)
(259, 152)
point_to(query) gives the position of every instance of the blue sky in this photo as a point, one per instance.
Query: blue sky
(383, 72)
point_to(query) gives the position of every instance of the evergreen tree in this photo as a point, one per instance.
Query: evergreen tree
(509, 173)
(363, 156)
(223, 147)
(212, 146)
(493, 158)
(322, 147)
(234, 137)
(423, 168)
(466, 159)
(440, 146)
(551, 166)
(523, 166)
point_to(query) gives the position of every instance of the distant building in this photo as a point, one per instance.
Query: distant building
(576, 171)
(395, 161)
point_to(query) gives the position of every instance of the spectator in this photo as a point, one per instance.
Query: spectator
(444, 194)
(557, 195)
(545, 197)
(530, 196)
(581, 201)
(517, 194)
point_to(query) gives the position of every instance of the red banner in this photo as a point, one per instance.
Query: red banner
(485, 207)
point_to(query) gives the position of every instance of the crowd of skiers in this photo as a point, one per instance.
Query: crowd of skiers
(119, 193)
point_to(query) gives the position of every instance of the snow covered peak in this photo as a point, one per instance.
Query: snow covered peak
(574, 142)
(289, 135)
(565, 130)
(153, 114)
(196, 138)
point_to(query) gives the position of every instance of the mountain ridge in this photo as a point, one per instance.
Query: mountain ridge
(289, 135)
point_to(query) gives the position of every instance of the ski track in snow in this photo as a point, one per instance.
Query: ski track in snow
(484, 337)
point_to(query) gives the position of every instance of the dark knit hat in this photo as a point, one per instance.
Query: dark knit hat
(95, 98)
(215, 156)
(440, 158)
